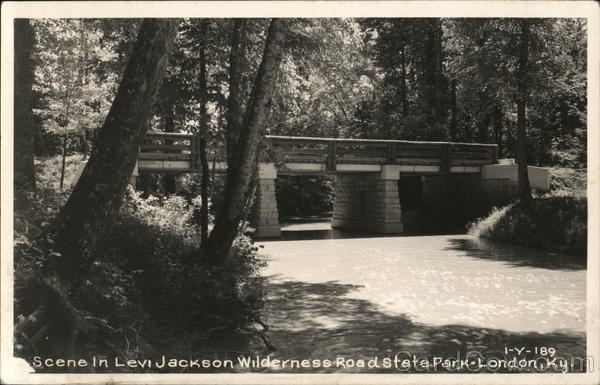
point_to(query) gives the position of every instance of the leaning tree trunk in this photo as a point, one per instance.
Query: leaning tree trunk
(100, 189)
(524, 188)
(239, 176)
(234, 101)
(23, 111)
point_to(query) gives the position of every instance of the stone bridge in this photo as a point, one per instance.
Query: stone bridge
(369, 175)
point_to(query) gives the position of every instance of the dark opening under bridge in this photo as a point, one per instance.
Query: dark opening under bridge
(367, 172)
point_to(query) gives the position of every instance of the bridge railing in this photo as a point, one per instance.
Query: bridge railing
(162, 150)
(372, 151)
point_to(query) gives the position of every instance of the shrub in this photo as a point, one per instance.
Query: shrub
(568, 181)
(48, 171)
(552, 222)
(171, 214)
(143, 272)
(31, 221)
(155, 244)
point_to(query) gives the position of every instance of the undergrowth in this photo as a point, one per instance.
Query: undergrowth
(145, 278)
(555, 221)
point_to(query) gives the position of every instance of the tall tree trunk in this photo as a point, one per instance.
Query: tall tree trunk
(522, 91)
(65, 125)
(204, 191)
(468, 123)
(239, 177)
(24, 176)
(483, 132)
(203, 90)
(564, 116)
(403, 89)
(433, 78)
(64, 161)
(498, 130)
(83, 80)
(169, 183)
(453, 117)
(249, 198)
(234, 101)
(100, 189)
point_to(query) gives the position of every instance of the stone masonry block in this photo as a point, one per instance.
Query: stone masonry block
(368, 201)
(265, 215)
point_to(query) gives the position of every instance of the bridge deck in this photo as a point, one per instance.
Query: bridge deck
(179, 153)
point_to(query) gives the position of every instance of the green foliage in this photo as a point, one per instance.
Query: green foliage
(107, 291)
(323, 78)
(188, 186)
(568, 181)
(143, 272)
(170, 215)
(380, 78)
(48, 171)
(415, 60)
(154, 243)
(303, 195)
(180, 94)
(557, 223)
(79, 63)
(372, 78)
(413, 102)
(44, 204)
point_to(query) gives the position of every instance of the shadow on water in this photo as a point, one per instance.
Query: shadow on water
(297, 235)
(316, 227)
(514, 255)
(517, 256)
(321, 321)
(319, 227)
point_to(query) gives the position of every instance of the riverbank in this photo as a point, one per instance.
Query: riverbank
(556, 221)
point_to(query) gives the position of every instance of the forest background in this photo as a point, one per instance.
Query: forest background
(411, 79)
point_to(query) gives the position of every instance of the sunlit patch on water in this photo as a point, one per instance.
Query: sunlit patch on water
(440, 280)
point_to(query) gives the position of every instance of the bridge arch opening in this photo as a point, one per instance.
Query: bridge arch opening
(304, 198)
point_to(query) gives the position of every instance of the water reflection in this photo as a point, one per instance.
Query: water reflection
(319, 227)
(517, 256)
(306, 228)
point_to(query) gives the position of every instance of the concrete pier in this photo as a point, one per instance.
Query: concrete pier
(265, 214)
(368, 201)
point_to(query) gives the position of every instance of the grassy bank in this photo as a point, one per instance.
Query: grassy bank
(556, 221)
